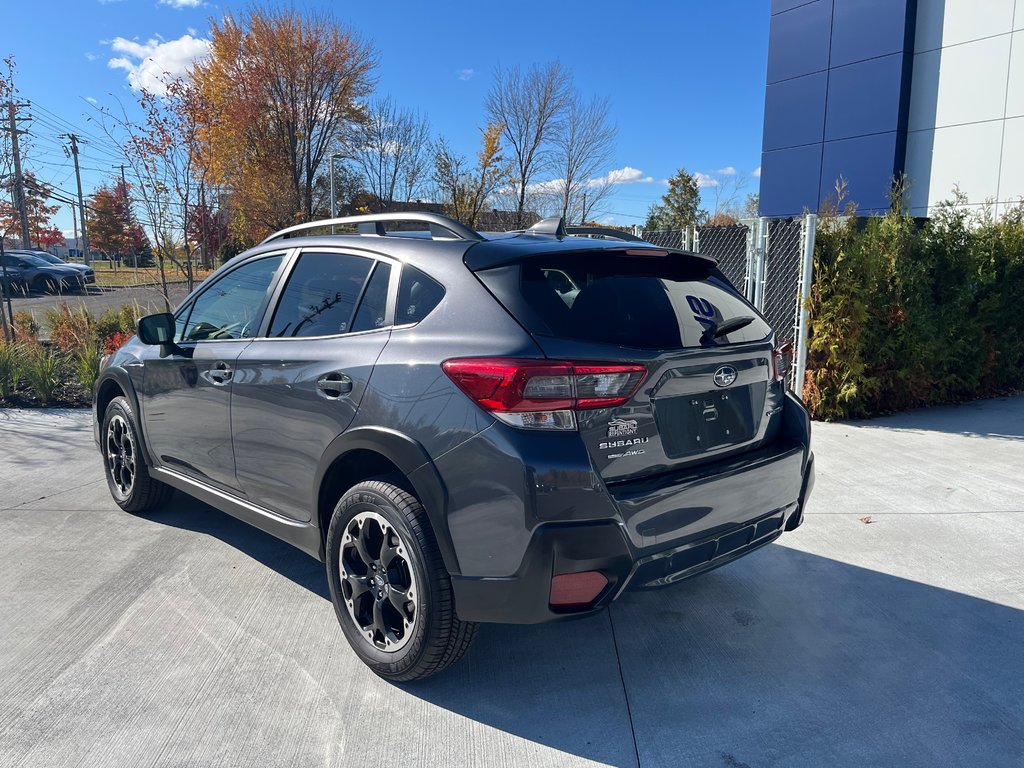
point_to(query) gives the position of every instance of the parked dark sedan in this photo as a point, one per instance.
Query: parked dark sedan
(88, 273)
(12, 278)
(40, 275)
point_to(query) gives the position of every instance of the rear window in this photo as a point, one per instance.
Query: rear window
(643, 302)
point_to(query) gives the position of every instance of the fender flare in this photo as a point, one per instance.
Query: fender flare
(120, 377)
(413, 462)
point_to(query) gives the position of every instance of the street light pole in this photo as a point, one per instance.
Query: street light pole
(334, 200)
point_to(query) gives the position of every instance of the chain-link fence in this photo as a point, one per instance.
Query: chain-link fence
(769, 261)
(668, 238)
(729, 246)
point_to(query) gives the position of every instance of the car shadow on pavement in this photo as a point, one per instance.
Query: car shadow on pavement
(191, 514)
(782, 658)
(999, 417)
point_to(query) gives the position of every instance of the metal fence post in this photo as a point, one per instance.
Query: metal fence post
(760, 256)
(809, 228)
(696, 240)
(748, 278)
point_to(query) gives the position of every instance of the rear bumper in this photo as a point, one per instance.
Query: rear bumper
(523, 598)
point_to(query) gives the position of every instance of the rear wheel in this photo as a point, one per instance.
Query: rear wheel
(390, 589)
(124, 464)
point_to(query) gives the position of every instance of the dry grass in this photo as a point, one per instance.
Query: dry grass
(123, 275)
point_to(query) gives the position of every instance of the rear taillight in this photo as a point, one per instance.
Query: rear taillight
(543, 394)
(781, 358)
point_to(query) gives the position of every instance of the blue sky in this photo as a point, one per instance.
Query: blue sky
(685, 78)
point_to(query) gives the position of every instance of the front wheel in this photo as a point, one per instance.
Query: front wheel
(124, 464)
(389, 586)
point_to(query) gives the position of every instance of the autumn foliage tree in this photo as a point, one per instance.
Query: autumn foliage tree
(465, 188)
(40, 226)
(278, 93)
(113, 227)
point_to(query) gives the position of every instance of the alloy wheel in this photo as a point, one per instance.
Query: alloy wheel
(378, 582)
(120, 450)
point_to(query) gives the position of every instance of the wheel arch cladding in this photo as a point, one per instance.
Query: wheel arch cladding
(373, 452)
(116, 384)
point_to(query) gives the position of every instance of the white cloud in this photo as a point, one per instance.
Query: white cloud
(756, 173)
(91, 100)
(727, 171)
(464, 74)
(705, 179)
(151, 65)
(179, 4)
(546, 187)
(91, 56)
(625, 175)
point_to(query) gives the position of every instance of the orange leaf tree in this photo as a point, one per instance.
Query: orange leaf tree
(279, 91)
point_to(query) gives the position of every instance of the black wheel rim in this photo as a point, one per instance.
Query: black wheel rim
(378, 583)
(120, 449)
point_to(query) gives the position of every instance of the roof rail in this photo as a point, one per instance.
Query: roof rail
(441, 227)
(605, 233)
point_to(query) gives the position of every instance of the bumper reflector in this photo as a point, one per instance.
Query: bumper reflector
(574, 591)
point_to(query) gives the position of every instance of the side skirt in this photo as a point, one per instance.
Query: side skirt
(302, 535)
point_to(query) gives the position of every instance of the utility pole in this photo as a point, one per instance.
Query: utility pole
(19, 181)
(583, 215)
(81, 200)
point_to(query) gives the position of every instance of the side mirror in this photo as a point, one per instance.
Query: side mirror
(159, 329)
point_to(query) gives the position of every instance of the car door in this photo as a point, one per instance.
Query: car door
(187, 394)
(298, 386)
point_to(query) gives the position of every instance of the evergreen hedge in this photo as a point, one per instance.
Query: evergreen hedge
(910, 312)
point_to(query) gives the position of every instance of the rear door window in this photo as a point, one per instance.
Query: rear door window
(665, 302)
(321, 295)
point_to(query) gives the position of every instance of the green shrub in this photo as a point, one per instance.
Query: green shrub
(117, 322)
(908, 312)
(41, 371)
(10, 367)
(87, 366)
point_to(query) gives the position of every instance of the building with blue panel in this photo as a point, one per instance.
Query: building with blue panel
(866, 90)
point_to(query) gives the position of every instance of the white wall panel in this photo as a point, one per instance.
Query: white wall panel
(962, 84)
(966, 156)
(1011, 176)
(949, 22)
(1015, 86)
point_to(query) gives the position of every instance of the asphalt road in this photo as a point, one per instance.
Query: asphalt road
(99, 300)
(886, 631)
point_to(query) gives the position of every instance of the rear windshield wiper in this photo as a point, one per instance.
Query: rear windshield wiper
(716, 330)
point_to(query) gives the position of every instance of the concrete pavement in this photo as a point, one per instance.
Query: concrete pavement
(886, 631)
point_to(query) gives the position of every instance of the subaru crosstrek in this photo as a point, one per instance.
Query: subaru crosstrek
(465, 428)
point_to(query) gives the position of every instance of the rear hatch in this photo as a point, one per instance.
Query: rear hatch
(703, 398)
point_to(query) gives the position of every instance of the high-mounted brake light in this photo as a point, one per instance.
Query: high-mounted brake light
(645, 252)
(543, 394)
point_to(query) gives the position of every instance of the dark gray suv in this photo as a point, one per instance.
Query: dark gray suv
(465, 428)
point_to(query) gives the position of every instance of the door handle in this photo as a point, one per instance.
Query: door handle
(334, 385)
(220, 373)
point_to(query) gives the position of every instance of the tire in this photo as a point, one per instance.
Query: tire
(123, 463)
(400, 640)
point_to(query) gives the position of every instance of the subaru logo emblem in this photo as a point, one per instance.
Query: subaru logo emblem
(725, 376)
